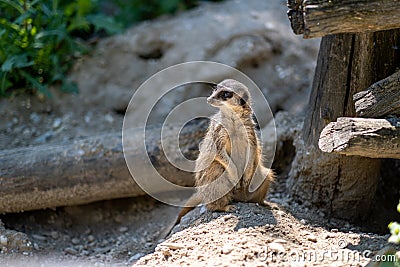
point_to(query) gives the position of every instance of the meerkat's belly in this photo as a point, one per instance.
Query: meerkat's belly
(239, 147)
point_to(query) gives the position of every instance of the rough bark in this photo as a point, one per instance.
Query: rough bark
(87, 170)
(341, 185)
(373, 138)
(317, 18)
(380, 99)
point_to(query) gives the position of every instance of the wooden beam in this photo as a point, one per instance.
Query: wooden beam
(380, 99)
(87, 170)
(373, 138)
(317, 18)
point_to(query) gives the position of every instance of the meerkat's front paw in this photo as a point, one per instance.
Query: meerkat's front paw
(267, 205)
(228, 208)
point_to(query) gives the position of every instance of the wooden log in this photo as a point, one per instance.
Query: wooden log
(380, 99)
(317, 18)
(373, 138)
(87, 170)
(346, 63)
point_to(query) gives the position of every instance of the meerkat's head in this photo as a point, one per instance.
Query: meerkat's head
(231, 94)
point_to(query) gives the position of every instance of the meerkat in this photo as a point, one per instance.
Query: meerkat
(230, 160)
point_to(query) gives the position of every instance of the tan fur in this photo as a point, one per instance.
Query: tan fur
(232, 137)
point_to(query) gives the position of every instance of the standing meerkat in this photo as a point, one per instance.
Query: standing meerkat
(230, 160)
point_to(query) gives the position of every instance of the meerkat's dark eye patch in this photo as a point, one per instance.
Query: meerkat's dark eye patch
(225, 95)
(242, 102)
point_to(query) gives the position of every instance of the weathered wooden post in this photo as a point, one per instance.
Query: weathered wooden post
(344, 186)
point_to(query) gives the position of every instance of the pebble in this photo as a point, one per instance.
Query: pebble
(34, 117)
(227, 249)
(136, 257)
(109, 118)
(75, 241)
(57, 123)
(45, 137)
(71, 251)
(276, 247)
(54, 234)
(302, 221)
(90, 238)
(173, 245)
(334, 230)
(39, 237)
(312, 238)
(3, 240)
(123, 229)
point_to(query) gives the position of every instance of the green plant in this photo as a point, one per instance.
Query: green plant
(37, 42)
(394, 228)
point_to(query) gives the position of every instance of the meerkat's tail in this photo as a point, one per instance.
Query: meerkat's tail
(190, 204)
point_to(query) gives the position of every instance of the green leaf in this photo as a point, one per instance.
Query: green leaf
(79, 23)
(102, 22)
(35, 84)
(14, 4)
(16, 61)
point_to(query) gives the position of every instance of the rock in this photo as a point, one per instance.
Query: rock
(35, 118)
(71, 251)
(172, 245)
(136, 257)
(57, 123)
(226, 249)
(54, 234)
(39, 237)
(90, 238)
(334, 230)
(276, 247)
(303, 221)
(272, 59)
(75, 241)
(44, 137)
(312, 238)
(3, 240)
(123, 229)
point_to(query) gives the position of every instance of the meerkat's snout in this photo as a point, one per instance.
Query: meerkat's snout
(219, 98)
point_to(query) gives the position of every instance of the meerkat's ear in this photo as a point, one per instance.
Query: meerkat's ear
(243, 100)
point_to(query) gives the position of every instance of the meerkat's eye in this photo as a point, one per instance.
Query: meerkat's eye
(225, 95)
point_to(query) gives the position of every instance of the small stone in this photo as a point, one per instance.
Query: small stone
(34, 117)
(166, 252)
(71, 251)
(312, 238)
(54, 234)
(172, 245)
(75, 241)
(280, 212)
(136, 257)
(123, 229)
(90, 238)
(334, 230)
(3, 240)
(39, 237)
(45, 137)
(57, 123)
(302, 221)
(276, 247)
(227, 249)
(109, 118)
